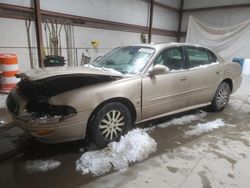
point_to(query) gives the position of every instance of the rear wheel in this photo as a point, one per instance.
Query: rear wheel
(109, 123)
(221, 97)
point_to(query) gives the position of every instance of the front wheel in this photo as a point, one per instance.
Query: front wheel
(109, 123)
(221, 97)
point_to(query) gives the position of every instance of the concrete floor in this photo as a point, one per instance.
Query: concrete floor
(220, 158)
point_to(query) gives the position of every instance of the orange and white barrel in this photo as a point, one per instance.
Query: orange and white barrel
(8, 67)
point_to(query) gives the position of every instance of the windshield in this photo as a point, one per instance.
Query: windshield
(127, 60)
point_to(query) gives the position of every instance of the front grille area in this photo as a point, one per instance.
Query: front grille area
(12, 105)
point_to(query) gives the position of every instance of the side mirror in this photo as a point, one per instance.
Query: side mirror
(159, 69)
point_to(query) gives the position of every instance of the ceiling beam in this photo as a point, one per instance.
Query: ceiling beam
(4, 6)
(151, 16)
(163, 5)
(180, 20)
(217, 8)
(39, 33)
(166, 6)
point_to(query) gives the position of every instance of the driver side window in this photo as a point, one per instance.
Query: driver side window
(172, 58)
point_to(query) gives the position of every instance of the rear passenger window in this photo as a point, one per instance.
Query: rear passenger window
(197, 56)
(172, 58)
(212, 57)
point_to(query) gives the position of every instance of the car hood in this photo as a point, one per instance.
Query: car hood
(43, 73)
(49, 82)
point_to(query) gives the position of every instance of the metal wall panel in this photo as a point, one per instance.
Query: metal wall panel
(190, 4)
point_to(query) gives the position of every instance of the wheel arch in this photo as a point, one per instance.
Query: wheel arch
(126, 102)
(229, 82)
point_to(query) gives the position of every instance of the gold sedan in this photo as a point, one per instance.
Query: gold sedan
(130, 84)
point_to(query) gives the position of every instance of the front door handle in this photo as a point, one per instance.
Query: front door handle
(218, 72)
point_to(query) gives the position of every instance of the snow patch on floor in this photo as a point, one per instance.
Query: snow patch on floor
(134, 146)
(205, 127)
(184, 120)
(41, 165)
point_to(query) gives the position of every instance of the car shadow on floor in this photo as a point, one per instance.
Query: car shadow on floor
(33, 149)
(168, 139)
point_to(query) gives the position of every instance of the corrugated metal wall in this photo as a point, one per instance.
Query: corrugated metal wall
(13, 38)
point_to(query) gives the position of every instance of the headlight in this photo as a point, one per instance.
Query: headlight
(44, 113)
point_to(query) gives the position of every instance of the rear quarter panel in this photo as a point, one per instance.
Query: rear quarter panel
(233, 71)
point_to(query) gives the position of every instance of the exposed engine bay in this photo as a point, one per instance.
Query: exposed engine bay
(37, 93)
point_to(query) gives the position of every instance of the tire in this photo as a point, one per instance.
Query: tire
(221, 97)
(109, 123)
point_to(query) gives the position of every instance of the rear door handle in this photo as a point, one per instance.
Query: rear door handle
(183, 78)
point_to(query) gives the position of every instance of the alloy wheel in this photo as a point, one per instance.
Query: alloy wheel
(111, 126)
(222, 97)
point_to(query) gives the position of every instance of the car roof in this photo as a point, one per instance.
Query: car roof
(171, 44)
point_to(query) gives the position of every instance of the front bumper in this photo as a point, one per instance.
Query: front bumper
(68, 130)
(53, 129)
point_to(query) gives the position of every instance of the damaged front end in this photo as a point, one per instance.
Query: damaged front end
(30, 105)
(41, 112)
(30, 101)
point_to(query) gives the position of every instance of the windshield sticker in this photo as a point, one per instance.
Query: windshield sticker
(146, 50)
